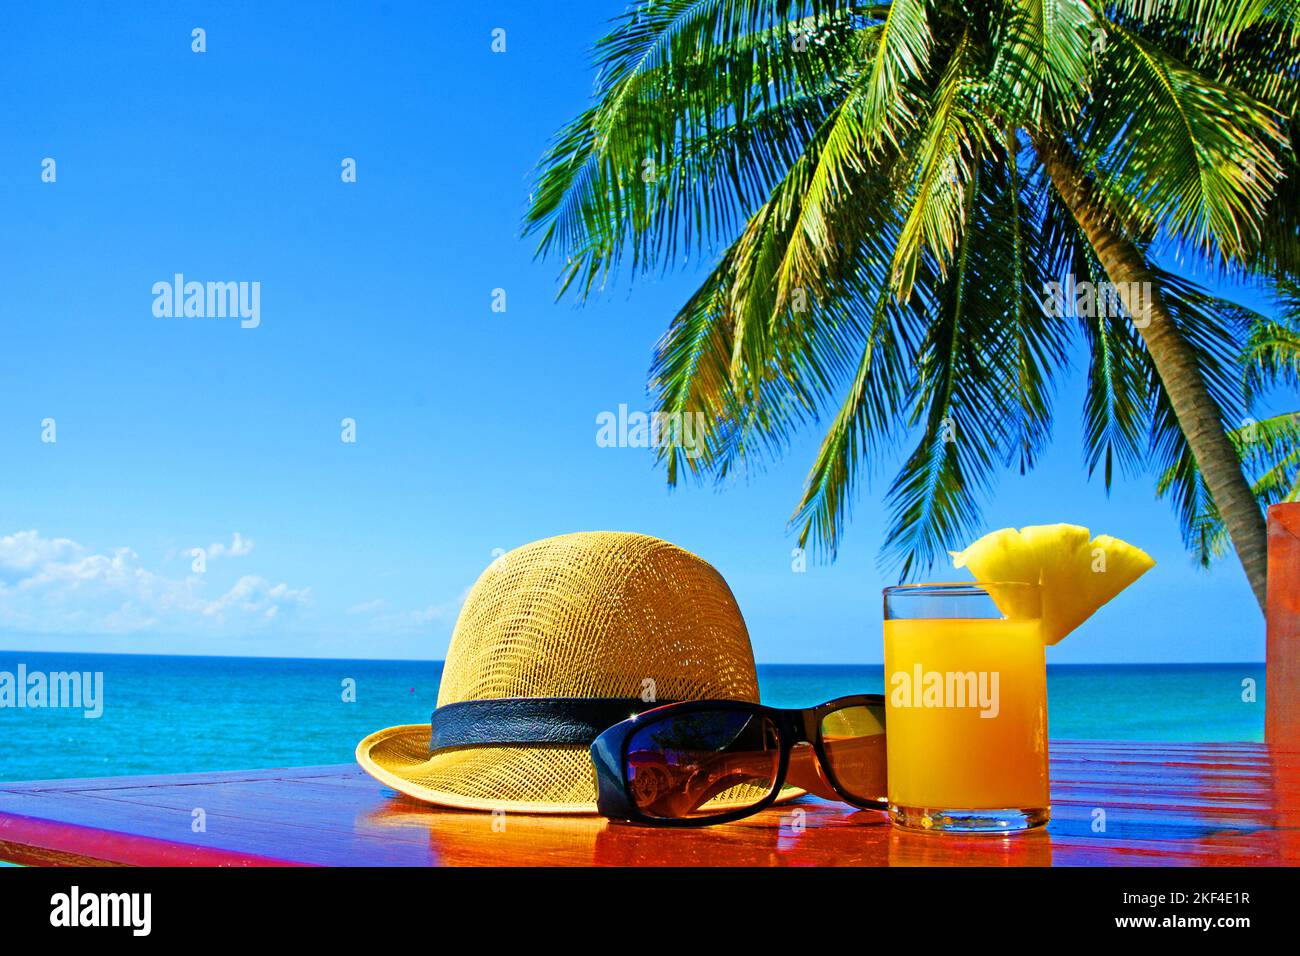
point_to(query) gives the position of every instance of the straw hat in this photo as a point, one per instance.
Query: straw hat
(603, 614)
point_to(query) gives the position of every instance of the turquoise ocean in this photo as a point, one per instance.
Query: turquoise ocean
(182, 714)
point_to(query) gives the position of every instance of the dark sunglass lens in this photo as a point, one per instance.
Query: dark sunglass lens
(702, 763)
(854, 741)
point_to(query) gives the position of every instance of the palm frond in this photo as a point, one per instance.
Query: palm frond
(1115, 417)
(690, 376)
(1173, 148)
(1271, 448)
(793, 357)
(1219, 24)
(1038, 336)
(1044, 59)
(946, 152)
(865, 424)
(901, 56)
(643, 172)
(1262, 59)
(875, 116)
(1272, 354)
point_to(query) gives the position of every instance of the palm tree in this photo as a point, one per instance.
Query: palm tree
(890, 188)
(1269, 447)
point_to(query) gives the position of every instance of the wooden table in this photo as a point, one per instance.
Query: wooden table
(1114, 803)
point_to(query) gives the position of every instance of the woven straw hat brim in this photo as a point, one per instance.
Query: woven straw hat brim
(558, 779)
(553, 779)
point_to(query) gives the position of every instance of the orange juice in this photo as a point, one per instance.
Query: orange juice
(966, 712)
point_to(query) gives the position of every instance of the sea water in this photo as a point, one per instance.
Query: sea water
(182, 714)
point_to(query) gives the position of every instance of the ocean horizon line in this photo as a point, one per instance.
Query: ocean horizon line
(441, 660)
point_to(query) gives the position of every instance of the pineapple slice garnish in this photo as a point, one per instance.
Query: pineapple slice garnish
(1076, 573)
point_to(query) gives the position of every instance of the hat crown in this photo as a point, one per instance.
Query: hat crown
(599, 614)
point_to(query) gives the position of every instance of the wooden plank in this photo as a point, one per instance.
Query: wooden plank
(37, 842)
(1282, 673)
(172, 779)
(236, 823)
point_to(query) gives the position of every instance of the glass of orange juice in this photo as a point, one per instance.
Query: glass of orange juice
(966, 707)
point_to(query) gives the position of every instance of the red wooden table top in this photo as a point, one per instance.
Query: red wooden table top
(1113, 803)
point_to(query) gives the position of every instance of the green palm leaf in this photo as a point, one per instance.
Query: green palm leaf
(674, 76)
(1219, 24)
(1272, 446)
(866, 423)
(1272, 355)
(901, 55)
(1176, 150)
(945, 154)
(1044, 59)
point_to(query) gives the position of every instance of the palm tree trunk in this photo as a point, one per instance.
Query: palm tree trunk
(1175, 362)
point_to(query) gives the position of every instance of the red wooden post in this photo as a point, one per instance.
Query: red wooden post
(1282, 655)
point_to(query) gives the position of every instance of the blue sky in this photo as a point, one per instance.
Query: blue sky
(475, 429)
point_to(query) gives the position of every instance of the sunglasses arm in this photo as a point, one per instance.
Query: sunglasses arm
(606, 760)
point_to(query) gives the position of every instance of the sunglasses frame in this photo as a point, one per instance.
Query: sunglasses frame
(794, 726)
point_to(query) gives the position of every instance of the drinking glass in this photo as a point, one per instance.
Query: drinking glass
(966, 707)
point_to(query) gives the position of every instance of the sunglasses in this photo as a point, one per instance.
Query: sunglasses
(703, 762)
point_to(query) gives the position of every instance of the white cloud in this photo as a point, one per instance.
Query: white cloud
(25, 550)
(55, 585)
(256, 597)
(239, 547)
